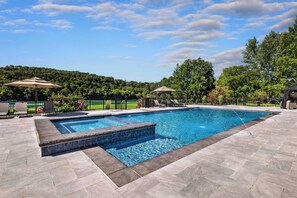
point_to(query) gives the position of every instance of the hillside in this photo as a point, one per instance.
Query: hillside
(73, 82)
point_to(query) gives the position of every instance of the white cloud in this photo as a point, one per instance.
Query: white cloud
(2, 1)
(191, 44)
(23, 31)
(9, 11)
(285, 19)
(176, 57)
(255, 24)
(205, 24)
(283, 25)
(16, 22)
(244, 8)
(225, 59)
(106, 28)
(55, 9)
(60, 24)
(156, 34)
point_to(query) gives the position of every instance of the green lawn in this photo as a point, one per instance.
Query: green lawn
(98, 104)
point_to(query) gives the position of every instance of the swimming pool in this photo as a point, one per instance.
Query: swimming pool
(87, 124)
(176, 129)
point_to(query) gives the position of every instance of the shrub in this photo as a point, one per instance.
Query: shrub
(139, 103)
(220, 99)
(69, 103)
(217, 95)
(107, 104)
(204, 99)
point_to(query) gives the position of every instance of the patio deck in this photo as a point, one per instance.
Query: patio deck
(261, 165)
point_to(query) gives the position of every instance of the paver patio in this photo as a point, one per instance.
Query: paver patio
(260, 161)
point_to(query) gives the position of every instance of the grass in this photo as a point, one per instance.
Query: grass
(92, 105)
(98, 104)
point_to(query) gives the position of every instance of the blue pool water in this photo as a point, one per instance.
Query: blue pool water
(86, 124)
(177, 128)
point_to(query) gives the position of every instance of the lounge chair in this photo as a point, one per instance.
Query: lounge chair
(49, 107)
(156, 103)
(176, 103)
(4, 108)
(169, 103)
(291, 105)
(20, 108)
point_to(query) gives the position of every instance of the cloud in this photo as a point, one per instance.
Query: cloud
(191, 44)
(23, 31)
(177, 57)
(226, 58)
(156, 34)
(60, 24)
(106, 28)
(205, 24)
(9, 11)
(283, 25)
(285, 19)
(16, 22)
(2, 1)
(52, 9)
(255, 24)
(244, 8)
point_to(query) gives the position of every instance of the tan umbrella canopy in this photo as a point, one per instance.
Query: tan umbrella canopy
(163, 89)
(34, 82)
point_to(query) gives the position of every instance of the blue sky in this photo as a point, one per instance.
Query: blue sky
(139, 40)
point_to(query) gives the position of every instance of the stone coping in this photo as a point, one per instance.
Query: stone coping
(120, 174)
(48, 134)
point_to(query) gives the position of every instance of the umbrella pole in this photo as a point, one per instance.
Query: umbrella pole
(35, 100)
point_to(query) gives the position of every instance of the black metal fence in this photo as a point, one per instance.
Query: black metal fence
(103, 104)
(106, 104)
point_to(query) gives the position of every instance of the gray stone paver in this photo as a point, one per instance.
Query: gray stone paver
(263, 164)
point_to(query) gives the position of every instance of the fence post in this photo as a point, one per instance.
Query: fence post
(126, 105)
(103, 104)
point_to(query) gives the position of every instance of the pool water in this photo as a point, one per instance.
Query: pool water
(87, 124)
(177, 128)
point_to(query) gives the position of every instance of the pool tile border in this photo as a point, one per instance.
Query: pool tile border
(51, 141)
(121, 175)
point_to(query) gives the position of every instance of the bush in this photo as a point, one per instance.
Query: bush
(204, 99)
(107, 104)
(220, 99)
(139, 103)
(217, 95)
(69, 103)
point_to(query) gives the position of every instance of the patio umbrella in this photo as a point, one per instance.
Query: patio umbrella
(163, 89)
(34, 83)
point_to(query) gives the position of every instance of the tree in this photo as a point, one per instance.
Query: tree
(73, 82)
(250, 53)
(241, 81)
(194, 78)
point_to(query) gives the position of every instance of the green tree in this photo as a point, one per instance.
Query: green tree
(194, 78)
(241, 81)
(250, 53)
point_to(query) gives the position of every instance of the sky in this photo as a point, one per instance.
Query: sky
(139, 40)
